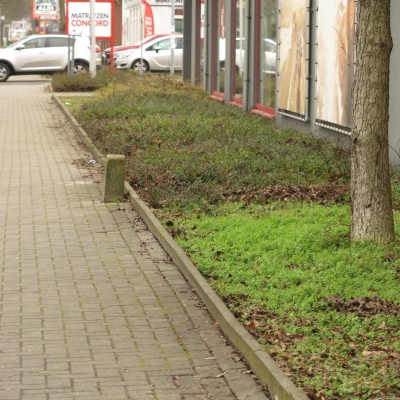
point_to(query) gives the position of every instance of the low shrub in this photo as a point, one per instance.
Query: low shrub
(182, 147)
(84, 82)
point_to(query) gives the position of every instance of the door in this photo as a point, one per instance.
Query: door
(159, 54)
(178, 53)
(30, 55)
(57, 53)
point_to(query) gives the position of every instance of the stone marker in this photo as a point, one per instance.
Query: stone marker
(114, 178)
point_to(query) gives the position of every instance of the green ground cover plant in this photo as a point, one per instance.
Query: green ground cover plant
(264, 214)
(325, 309)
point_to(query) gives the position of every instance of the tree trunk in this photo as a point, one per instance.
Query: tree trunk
(62, 16)
(371, 198)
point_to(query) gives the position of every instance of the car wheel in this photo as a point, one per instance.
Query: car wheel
(137, 65)
(4, 72)
(80, 67)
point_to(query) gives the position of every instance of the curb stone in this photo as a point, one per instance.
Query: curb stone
(264, 367)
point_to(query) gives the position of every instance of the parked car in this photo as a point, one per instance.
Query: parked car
(152, 55)
(269, 47)
(105, 56)
(45, 54)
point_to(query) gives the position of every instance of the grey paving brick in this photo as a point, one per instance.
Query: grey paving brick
(10, 394)
(90, 306)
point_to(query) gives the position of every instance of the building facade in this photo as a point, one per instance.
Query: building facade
(290, 60)
(233, 46)
(144, 18)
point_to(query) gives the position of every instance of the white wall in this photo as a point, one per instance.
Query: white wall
(162, 19)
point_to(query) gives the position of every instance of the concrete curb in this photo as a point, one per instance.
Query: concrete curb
(266, 369)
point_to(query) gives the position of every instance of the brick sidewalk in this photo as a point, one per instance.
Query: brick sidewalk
(90, 305)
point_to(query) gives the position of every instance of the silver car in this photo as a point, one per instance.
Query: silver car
(269, 48)
(154, 55)
(45, 54)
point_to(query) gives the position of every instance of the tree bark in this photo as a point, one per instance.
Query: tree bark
(62, 16)
(371, 199)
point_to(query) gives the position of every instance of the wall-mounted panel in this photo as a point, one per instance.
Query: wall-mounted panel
(335, 64)
(294, 29)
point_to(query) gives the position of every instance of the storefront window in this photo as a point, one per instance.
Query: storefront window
(179, 25)
(268, 53)
(240, 47)
(200, 40)
(221, 46)
(202, 56)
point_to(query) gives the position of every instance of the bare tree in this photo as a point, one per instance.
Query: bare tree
(371, 200)
(15, 9)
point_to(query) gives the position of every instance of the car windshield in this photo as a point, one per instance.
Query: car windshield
(16, 43)
(151, 38)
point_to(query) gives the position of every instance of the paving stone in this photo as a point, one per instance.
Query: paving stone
(90, 306)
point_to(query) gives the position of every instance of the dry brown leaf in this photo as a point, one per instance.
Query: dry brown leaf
(222, 375)
(252, 325)
(369, 354)
(382, 325)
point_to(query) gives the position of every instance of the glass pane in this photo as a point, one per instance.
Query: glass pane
(57, 42)
(202, 56)
(201, 41)
(164, 44)
(179, 25)
(179, 43)
(268, 53)
(240, 46)
(35, 43)
(222, 45)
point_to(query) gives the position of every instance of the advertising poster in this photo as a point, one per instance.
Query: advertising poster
(148, 20)
(292, 91)
(45, 9)
(79, 19)
(335, 56)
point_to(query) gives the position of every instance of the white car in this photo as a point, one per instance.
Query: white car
(153, 55)
(269, 47)
(106, 55)
(45, 54)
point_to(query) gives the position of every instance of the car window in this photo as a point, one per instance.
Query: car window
(35, 43)
(179, 43)
(16, 44)
(57, 42)
(240, 42)
(164, 44)
(269, 47)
